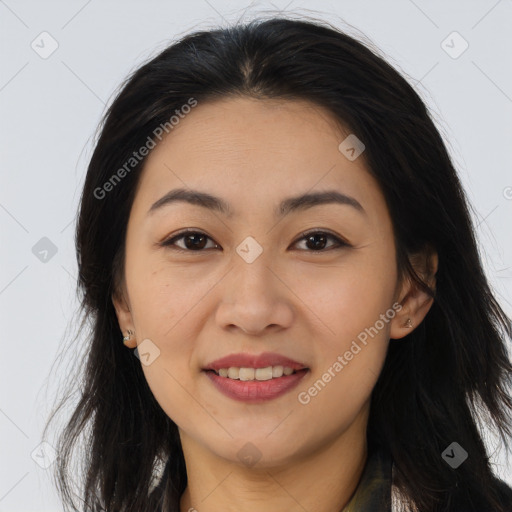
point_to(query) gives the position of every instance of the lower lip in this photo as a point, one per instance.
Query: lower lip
(254, 391)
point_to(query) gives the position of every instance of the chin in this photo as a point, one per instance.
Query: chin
(256, 452)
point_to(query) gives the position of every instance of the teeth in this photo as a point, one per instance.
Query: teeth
(277, 371)
(233, 373)
(244, 374)
(263, 373)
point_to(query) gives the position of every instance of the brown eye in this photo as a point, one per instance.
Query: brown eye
(192, 241)
(316, 241)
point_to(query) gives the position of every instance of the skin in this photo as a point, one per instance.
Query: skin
(310, 306)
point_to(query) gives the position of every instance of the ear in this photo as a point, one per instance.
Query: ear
(124, 317)
(415, 302)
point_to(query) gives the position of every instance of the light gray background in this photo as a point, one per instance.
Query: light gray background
(49, 111)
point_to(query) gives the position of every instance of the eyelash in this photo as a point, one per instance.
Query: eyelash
(170, 242)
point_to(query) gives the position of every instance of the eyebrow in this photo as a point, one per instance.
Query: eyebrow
(291, 204)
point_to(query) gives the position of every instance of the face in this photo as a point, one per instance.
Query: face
(248, 280)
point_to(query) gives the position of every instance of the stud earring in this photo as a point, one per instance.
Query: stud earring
(408, 323)
(127, 337)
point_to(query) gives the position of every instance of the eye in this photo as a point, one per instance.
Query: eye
(318, 239)
(193, 240)
(196, 241)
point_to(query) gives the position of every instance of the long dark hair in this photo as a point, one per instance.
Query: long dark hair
(449, 374)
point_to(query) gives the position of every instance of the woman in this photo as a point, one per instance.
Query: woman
(273, 226)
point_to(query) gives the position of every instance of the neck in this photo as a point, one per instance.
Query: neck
(323, 480)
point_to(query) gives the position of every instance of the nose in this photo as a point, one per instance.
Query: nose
(255, 299)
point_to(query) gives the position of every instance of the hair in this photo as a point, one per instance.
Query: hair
(448, 375)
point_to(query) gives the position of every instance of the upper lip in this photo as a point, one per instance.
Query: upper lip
(244, 360)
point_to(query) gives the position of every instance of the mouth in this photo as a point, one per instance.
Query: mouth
(255, 378)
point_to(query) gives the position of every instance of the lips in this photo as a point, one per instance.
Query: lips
(256, 392)
(255, 378)
(244, 360)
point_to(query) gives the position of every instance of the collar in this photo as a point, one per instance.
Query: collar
(374, 491)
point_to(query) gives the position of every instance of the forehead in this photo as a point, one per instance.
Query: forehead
(246, 127)
(246, 150)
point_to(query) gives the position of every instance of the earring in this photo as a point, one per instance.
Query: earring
(408, 323)
(127, 338)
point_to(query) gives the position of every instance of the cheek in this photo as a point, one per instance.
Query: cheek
(348, 297)
(162, 301)
(164, 304)
(352, 309)
(162, 294)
